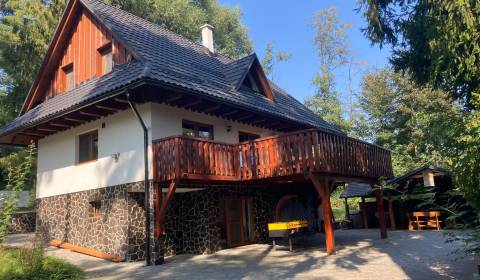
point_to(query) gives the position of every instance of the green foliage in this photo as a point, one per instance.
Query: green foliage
(185, 17)
(271, 57)
(25, 30)
(419, 124)
(20, 168)
(438, 41)
(466, 162)
(332, 47)
(338, 204)
(26, 264)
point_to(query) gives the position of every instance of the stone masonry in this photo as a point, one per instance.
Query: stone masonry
(195, 221)
(22, 222)
(118, 230)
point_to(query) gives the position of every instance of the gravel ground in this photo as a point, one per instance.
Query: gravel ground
(361, 254)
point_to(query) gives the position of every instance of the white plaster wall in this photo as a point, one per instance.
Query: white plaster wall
(167, 121)
(58, 172)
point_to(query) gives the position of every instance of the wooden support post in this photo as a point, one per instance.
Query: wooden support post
(391, 212)
(364, 213)
(347, 210)
(323, 188)
(160, 226)
(381, 213)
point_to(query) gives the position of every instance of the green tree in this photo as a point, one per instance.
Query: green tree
(20, 173)
(419, 124)
(466, 161)
(25, 31)
(437, 41)
(332, 47)
(271, 58)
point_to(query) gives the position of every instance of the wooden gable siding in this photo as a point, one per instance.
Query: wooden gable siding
(82, 51)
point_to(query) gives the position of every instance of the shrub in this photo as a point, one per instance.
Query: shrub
(27, 264)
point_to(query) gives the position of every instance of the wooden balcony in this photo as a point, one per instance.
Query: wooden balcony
(288, 155)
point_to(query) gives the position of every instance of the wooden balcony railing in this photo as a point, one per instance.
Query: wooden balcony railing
(285, 155)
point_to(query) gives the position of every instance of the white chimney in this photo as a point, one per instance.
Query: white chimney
(207, 36)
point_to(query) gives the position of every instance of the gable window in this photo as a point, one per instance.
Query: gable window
(251, 83)
(69, 81)
(96, 208)
(197, 130)
(88, 146)
(105, 59)
(245, 136)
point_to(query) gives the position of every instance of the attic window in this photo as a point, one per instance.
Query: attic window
(69, 81)
(251, 83)
(104, 59)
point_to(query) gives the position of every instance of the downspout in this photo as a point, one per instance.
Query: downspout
(146, 184)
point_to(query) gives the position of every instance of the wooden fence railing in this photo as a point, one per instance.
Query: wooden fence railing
(276, 156)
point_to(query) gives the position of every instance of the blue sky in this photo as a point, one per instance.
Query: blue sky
(287, 24)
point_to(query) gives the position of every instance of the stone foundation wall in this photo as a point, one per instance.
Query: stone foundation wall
(194, 222)
(22, 222)
(118, 230)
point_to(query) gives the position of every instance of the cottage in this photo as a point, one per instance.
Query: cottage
(150, 144)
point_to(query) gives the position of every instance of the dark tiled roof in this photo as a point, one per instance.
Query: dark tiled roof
(168, 58)
(357, 190)
(80, 96)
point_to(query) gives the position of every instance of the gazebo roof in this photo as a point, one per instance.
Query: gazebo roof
(357, 190)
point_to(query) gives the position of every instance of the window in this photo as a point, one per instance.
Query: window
(104, 59)
(197, 130)
(88, 147)
(252, 83)
(96, 208)
(107, 61)
(69, 78)
(245, 136)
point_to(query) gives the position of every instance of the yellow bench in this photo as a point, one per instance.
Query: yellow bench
(285, 230)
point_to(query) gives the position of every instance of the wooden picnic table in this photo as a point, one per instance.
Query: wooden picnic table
(424, 220)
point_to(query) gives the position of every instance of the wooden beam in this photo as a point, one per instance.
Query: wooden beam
(90, 114)
(46, 129)
(74, 120)
(364, 213)
(173, 98)
(59, 125)
(246, 117)
(211, 109)
(120, 100)
(322, 186)
(233, 112)
(32, 134)
(347, 210)
(391, 212)
(381, 213)
(259, 121)
(85, 251)
(108, 108)
(193, 103)
(160, 227)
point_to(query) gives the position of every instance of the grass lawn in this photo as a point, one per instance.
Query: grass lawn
(27, 264)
